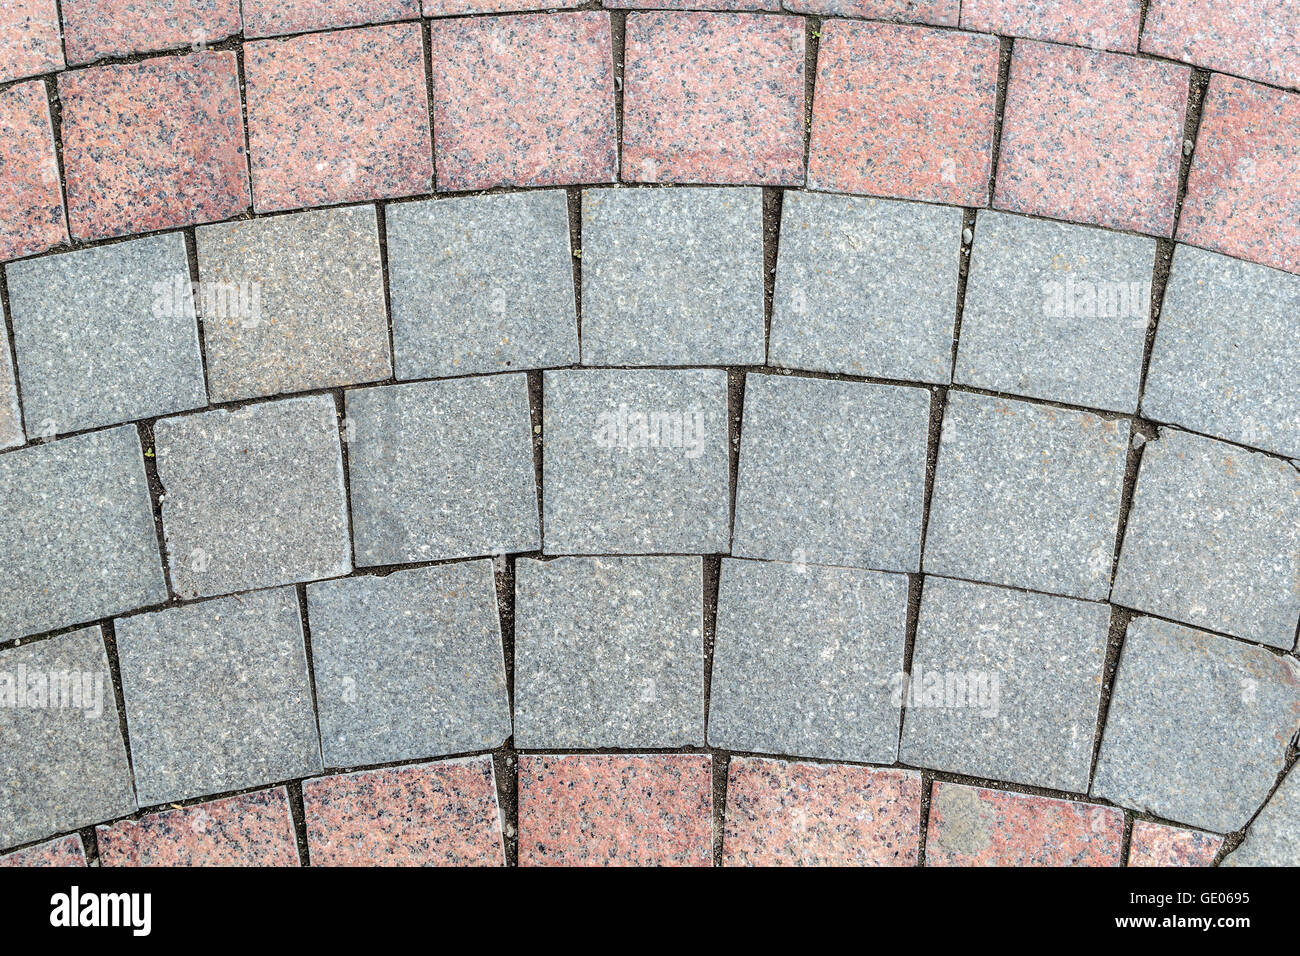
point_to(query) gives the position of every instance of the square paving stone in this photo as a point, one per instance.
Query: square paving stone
(292, 303)
(106, 335)
(264, 18)
(1155, 844)
(635, 462)
(1005, 685)
(866, 287)
(408, 665)
(1057, 312)
(217, 696)
(481, 284)
(1026, 496)
(714, 98)
(63, 765)
(253, 497)
(1274, 836)
(65, 851)
(1256, 39)
(1198, 726)
(808, 661)
(31, 200)
(672, 277)
(1213, 539)
(940, 12)
(29, 39)
(1099, 24)
(11, 422)
(832, 473)
(96, 29)
(451, 8)
(609, 652)
(77, 536)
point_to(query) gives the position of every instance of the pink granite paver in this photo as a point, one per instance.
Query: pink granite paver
(801, 814)
(451, 8)
(64, 851)
(937, 12)
(338, 117)
(1100, 24)
(1258, 39)
(971, 826)
(713, 98)
(31, 202)
(153, 145)
(904, 111)
(253, 829)
(1092, 137)
(94, 29)
(1154, 844)
(524, 100)
(269, 18)
(771, 6)
(597, 810)
(1243, 193)
(434, 814)
(29, 39)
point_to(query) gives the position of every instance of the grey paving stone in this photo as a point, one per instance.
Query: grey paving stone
(832, 472)
(672, 276)
(253, 497)
(77, 536)
(1056, 311)
(635, 462)
(481, 284)
(105, 335)
(442, 470)
(1197, 727)
(409, 665)
(1274, 836)
(1213, 539)
(609, 652)
(1005, 684)
(217, 696)
(1026, 495)
(292, 303)
(1226, 352)
(866, 287)
(11, 423)
(62, 763)
(807, 661)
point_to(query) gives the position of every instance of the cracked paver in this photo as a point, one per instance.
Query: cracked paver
(99, 29)
(1274, 836)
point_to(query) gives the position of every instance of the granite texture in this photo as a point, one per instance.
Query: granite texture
(1252, 38)
(97, 29)
(452, 8)
(1099, 24)
(1155, 844)
(938, 12)
(11, 421)
(30, 197)
(29, 39)
(1274, 835)
(264, 18)
(62, 852)
(770, 6)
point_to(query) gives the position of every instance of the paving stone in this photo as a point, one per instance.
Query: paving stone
(217, 696)
(106, 335)
(451, 8)
(433, 814)
(832, 473)
(1155, 844)
(481, 284)
(409, 665)
(771, 6)
(1005, 685)
(29, 39)
(1255, 38)
(524, 100)
(972, 826)
(903, 111)
(714, 98)
(1092, 137)
(865, 287)
(616, 810)
(65, 851)
(30, 197)
(808, 661)
(95, 29)
(1274, 836)
(253, 829)
(77, 536)
(939, 12)
(1057, 312)
(1198, 726)
(1026, 496)
(253, 497)
(338, 117)
(609, 652)
(802, 814)
(11, 423)
(121, 125)
(263, 18)
(1100, 24)
(636, 461)
(672, 277)
(442, 470)
(1213, 539)
(292, 303)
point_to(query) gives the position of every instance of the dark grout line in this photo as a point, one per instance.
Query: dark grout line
(773, 202)
(1126, 839)
(148, 447)
(573, 196)
(6, 317)
(191, 238)
(108, 629)
(426, 53)
(965, 247)
(618, 50)
(298, 818)
(505, 760)
(1118, 627)
(812, 47)
(304, 620)
(721, 764)
(923, 839)
(1006, 50)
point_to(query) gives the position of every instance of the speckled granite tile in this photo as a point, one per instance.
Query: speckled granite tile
(11, 424)
(29, 39)
(30, 198)
(903, 111)
(1274, 836)
(938, 12)
(771, 6)
(452, 8)
(1155, 844)
(96, 29)
(266, 18)
(616, 810)
(524, 100)
(64, 851)
(1099, 24)
(1251, 38)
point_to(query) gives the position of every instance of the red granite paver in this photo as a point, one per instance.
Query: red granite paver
(800, 814)
(153, 145)
(904, 111)
(597, 810)
(269, 18)
(771, 6)
(29, 39)
(94, 29)
(1243, 193)
(449, 8)
(938, 12)
(1258, 39)
(1100, 24)
(31, 202)
(433, 814)
(971, 826)
(1092, 137)
(64, 851)
(338, 117)
(1154, 844)
(713, 98)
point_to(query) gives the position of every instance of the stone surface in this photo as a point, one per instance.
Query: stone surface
(441, 470)
(939, 12)
(1099, 24)
(30, 197)
(451, 8)
(97, 29)
(1274, 835)
(29, 39)
(264, 18)
(771, 6)
(1252, 38)
(65, 851)
(1197, 727)
(609, 652)
(1155, 844)
(253, 497)
(11, 422)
